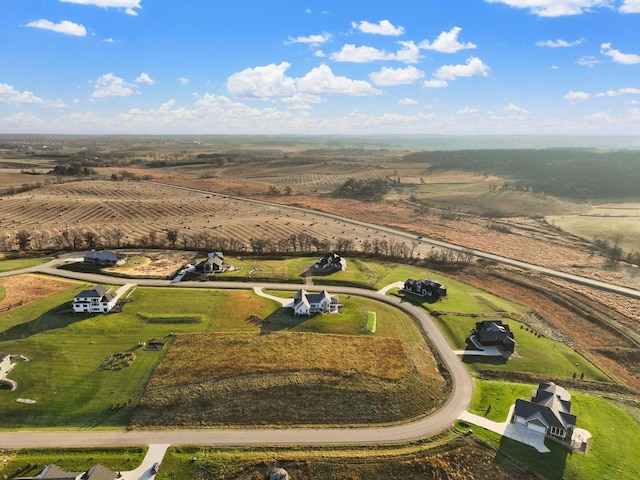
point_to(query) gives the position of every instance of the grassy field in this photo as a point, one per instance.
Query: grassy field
(607, 226)
(66, 349)
(612, 449)
(31, 462)
(18, 263)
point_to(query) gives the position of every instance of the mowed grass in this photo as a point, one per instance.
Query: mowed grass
(18, 263)
(30, 462)
(612, 449)
(66, 349)
(533, 354)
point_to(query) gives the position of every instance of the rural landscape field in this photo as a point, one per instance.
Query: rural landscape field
(489, 224)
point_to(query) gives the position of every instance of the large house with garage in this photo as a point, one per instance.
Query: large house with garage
(96, 300)
(104, 257)
(330, 262)
(425, 288)
(305, 303)
(548, 412)
(53, 472)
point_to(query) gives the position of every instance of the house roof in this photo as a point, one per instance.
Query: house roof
(99, 291)
(103, 255)
(99, 472)
(549, 406)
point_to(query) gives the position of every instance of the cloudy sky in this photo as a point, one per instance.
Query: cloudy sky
(317, 67)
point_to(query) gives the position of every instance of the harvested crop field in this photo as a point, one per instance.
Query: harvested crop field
(279, 379)
(124, 214)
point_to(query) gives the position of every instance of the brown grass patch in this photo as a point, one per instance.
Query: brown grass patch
(22, 289)
(290, 378)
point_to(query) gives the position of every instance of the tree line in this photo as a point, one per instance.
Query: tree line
(571, 173)
(302, 243)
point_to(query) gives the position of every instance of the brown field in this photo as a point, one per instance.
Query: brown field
(214, 379)
(464, 459)
(29, 288)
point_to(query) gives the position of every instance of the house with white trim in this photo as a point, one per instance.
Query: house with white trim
(547, 412)
(331, 261)
(96, 300)
(305, 303)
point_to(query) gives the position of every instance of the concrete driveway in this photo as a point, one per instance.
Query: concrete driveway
(143, 472)
(514, 431)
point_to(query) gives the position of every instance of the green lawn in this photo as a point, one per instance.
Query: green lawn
(66, 349)
(613, 448)
(31, 462)
(533, 354)
(18, 263)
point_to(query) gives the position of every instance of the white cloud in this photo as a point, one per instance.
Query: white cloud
(363, 54)
(262, 82)
(467, 110)
(619, 92)
(435, 83)
(407, 101)
(321, 80)
(108, 40)
(400, 76)
(409, 53)
(319, 54)
(109, 85)
(559, 43)
(514, 108)
(555, 8)
(617, 56)
(65, 26)
(588, 61)
(311, 39)
(473, 67)
(145, 78)
(630, 6)
(11, 95)
(270, 81)
(447, 42)
(633, 102)
(574, 97)
(128, 5)
(183, 81)
(383, 27)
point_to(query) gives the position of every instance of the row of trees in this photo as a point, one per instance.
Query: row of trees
(78, 239)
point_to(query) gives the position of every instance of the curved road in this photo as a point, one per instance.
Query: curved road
(442, 419)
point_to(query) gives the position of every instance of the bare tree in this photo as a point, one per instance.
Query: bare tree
(172, 237)
(23, 238)
(39, 239)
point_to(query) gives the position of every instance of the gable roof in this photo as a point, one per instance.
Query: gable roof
(551, 404)
(99, 291)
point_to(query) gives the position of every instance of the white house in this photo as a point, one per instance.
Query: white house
(96, 300)
(307, 303)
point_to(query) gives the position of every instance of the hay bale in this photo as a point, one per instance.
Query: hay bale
(279, 474)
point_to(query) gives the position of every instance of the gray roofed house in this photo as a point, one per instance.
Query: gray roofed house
(104, 257)
(548, 411)
(53, 472)
(490, 333)
(213, 264)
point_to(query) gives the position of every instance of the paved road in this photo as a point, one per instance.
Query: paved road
(439, 243)
(462, 390)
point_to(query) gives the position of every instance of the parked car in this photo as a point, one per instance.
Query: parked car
(155, 468)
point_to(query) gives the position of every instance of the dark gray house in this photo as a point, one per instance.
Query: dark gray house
(494, 333)
(425, 288)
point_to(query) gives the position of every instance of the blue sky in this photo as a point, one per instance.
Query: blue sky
(320, 67)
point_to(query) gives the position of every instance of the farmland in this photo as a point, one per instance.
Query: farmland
(259, 352)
